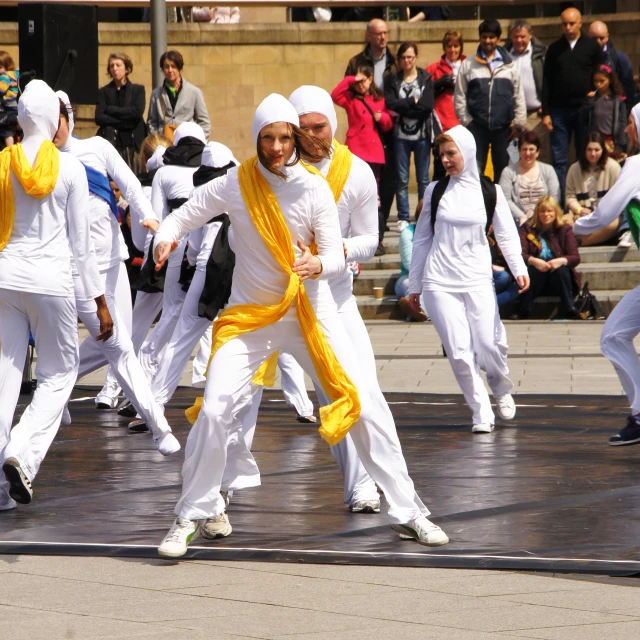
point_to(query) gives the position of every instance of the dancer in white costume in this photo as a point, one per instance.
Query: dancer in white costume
(172, 186)
(623, 325)
(148, 304)
(451, 263)
(39, 234)
(285, 200)
(102, 159)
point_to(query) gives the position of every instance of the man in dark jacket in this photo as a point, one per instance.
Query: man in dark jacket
(567, 79)
(489, 98)
(616, 59)
(529, 54)
(377, 54)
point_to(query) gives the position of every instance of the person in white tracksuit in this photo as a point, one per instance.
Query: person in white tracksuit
(286, 199)
(148, 304)
(100, 158)
(36, 288)
(451, 264)
(623, 325)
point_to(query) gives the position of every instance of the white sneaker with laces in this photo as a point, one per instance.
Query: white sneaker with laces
(366, 506)
(482, 427)
(422, 530)
(167, 444)
(216, 527)
(402, 225)
(626, 240)
(177, 541)
(506, 406)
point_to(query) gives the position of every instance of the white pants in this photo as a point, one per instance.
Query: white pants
(118, 352)
(616, 343)
(188, 330)
(201, 359)
(474, 338)
(152, 348)
(145, 311)
(231, 370)
(293, 385)
(54, 325)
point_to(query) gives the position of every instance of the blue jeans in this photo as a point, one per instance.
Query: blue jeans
(402, 150)
(565, 123)
(506, 288)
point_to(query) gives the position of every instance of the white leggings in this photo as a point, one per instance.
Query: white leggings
(230, 372)
(293, 385)
(474, 338)
(54, 325)
(616, 343)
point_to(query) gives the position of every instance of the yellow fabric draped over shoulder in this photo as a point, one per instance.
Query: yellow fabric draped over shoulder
(339, 170)
(338, 417)
(37, 181)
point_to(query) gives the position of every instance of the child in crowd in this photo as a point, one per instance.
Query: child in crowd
(9, 92)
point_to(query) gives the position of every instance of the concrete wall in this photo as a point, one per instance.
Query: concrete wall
(236, 66)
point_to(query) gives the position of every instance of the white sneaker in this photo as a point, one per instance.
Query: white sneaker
(138, 426)
(66, 417)
(167, 444)
(217, 527)
(366, 506)
(482, 427)
(506, 406)
(402, 225)
(422, 530)
(626, 240)
(176, 542)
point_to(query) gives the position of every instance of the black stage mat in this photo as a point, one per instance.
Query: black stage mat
(543, 492)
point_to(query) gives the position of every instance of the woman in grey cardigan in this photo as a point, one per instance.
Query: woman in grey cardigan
(176, 100)
(526, 182)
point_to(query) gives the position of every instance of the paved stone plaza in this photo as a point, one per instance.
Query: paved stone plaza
(71, 597)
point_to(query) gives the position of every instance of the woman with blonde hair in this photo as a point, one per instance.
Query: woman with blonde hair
(550, 250)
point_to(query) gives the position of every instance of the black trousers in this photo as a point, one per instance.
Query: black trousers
(499, 141)
(387, 184)
(554, 283)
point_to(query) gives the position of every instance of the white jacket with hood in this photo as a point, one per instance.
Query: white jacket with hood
(48, 232)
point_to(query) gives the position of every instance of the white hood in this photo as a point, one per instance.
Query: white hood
(217, 155)
(156, 161)
(274, 108)
(467, 145)
(39, 111)
(189, 130)
(310, 99)
(67, 103)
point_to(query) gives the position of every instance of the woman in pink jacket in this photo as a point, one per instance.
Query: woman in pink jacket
(367, 116)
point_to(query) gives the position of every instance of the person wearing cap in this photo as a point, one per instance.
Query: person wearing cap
(623, 325)
(172, 185)
(41, 231)
(101, 159)
(280, 299)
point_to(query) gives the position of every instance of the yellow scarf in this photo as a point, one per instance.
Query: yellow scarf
(338, 417)
(38, 181)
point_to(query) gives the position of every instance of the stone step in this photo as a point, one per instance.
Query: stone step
(387, 261)
(387, 308)
(609, 254)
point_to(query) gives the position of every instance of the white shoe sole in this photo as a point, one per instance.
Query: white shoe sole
(170, 554)
(622, 443)
(482, 428)
(406, 536)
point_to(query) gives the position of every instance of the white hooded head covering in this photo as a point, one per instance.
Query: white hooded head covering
(155, 161)
(274, 108)
(67, 103)
(310, 99)
(217, 155)
(466, 143)
(191, 130)
(39, 110)
(635, 114)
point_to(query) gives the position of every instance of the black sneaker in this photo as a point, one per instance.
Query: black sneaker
(629, 435)
(127, 411)
(380, 251)
(19, 485)
(103, 406)
(306, 419)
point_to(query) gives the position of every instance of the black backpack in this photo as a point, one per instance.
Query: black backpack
(489, 195)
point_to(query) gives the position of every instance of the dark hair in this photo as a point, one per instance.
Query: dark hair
(116, 55)
(174, 56)
(615, 87)
(6, 61)
(402, 49)
(453, 35)
(367, 71)
(490, 26)
(529, 137)
(593, 136)
(298, 135)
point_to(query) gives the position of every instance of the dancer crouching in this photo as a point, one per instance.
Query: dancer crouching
(451, 264)
(277, 208)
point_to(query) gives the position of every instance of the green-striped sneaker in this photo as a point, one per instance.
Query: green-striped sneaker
(422, 530)
(176, 542)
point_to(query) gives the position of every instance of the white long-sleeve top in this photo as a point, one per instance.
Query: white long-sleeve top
(170, 182)
(102, 156)
(310, 213)
(47, 233)
(358, 216)
(615, 201)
